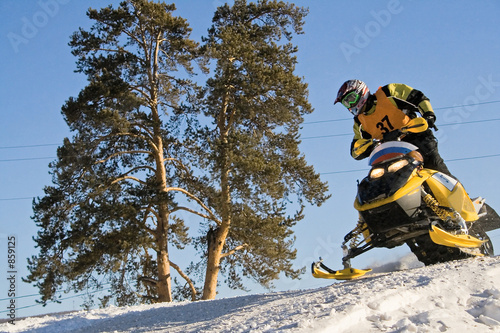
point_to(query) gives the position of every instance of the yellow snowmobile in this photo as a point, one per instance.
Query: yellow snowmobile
(401, 202)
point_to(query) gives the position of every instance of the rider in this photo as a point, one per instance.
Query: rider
(389, 109)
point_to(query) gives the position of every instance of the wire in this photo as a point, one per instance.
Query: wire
(334, 172)
(60, 299)
(470, 122)
(440, 125)
(13, 199)
(326, 136)
(472, 158)
(464, 105)
(440, 108)
(31, 146)
(83, 293)
(344, 171)
(17, 297)
(325, 173)
(450, 160)
(27, 159)
(306, 138)
(325, 121)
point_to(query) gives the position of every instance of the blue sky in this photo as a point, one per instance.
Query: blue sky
(447, 49)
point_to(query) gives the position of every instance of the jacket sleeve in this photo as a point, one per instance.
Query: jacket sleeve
(358, 135)
(407, 93)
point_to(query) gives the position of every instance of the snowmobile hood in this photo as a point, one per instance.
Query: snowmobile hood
(389, 150)
(413, 184)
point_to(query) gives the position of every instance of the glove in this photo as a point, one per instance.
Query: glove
(361, 146)
(430, 117)
(392, 136)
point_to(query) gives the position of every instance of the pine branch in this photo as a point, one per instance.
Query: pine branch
(126, 152)
(96, 142)
(195, 198)
(140, 167)
(120, 50)
(155, 213)
(117, 180)
(188, 280)
(133, 36)
(209, 216)
(178, 163)
(146, 216)
(148, 140)
(143, 93)
(145, 129)
(239, 247)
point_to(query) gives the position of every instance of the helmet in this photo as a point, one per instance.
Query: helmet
(353, 95)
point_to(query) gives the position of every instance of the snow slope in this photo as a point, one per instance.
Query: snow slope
(459, 296)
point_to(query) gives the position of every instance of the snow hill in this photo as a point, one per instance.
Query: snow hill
(459, 296)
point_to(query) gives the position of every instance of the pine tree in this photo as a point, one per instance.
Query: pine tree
(255, 104)
(107, 219)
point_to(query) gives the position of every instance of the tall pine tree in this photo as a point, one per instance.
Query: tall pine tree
(107, 219)
(255, 105)
(111, 213)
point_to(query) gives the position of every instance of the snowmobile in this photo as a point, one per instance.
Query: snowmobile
(401, 202)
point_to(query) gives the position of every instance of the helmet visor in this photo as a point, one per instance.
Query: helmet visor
(351, 99)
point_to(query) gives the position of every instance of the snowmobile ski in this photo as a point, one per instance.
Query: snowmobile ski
(320, 271)
(441, 237)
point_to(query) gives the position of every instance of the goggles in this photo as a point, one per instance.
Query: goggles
(351, 99)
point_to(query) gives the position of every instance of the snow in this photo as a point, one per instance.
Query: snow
(458, 296)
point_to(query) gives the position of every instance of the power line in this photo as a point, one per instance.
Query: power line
(326, 136)
(18, 297)
(344, 171)
(14, 199)
(470, 122)
(472, 158)
(440, 108)
(324, 173)
(31, 146)
(465, 105)
(58, 300)
(440, 125)
(450, 160)
(81, 294)
(325, 121)
(27, 159)
(306, 138)
(333, 172)
(305, 123)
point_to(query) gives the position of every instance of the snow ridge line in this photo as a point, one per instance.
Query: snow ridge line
(459, 296)
(431, 301)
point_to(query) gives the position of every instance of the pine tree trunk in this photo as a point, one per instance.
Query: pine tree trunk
(216, 239)
(215, 243)
(164, 288)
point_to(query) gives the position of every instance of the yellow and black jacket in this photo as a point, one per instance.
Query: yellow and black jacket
(390, 108)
